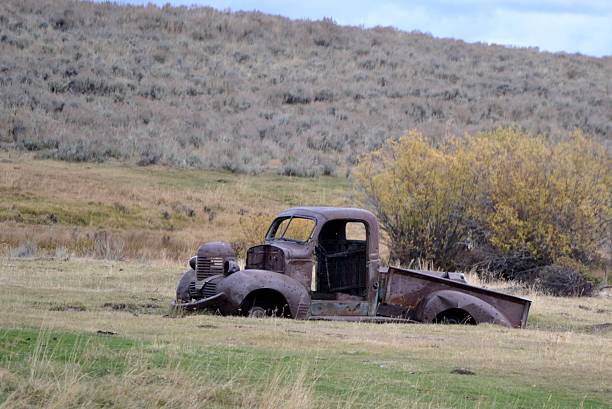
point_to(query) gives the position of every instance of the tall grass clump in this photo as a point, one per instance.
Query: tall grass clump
(27, 248)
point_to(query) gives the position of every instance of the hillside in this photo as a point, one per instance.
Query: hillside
(248, 92)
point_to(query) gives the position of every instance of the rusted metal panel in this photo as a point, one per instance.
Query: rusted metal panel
(364, 319)
(423, 294)
(324, 214)
(338, 308)
(239, 285)
(266, 257)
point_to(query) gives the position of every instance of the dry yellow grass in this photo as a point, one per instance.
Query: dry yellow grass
(564, 356)
(114, 211)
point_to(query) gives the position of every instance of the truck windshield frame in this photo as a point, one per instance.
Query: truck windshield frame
(276, 225)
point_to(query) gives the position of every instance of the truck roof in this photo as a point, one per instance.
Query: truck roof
(331, 213)
(324, 214)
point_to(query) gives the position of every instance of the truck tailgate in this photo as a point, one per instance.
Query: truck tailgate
(411, 290)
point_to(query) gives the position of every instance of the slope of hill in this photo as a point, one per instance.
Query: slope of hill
(250, 92)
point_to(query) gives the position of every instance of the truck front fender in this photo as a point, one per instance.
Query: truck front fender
(240, 284)
(443, 300)
(182, 288)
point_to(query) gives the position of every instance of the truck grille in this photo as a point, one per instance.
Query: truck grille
(208, 267)
(193, 293)
(209, 290)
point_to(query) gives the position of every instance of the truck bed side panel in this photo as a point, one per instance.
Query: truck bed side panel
(409, 289)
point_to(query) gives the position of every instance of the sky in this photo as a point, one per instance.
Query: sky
(551, 25)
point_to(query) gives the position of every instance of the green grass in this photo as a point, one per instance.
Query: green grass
(270, 185)
(369, 379)
(29, 209)
(19, 346)
(53, 307)
(52, 355)
(37, 206)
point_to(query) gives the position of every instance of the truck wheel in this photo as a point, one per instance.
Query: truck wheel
(182, 288)
(258, 312)
(265, 303)
(454, 316)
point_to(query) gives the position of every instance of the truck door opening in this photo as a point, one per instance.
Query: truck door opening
(341, 260)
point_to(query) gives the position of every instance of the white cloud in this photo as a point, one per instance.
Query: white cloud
(552, 25)
(554, 32)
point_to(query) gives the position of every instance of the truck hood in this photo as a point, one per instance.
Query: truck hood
(292, 250)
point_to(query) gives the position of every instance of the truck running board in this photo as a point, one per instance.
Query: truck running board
(375, 320)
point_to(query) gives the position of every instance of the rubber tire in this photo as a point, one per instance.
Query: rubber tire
(182, 288)
(258, 312)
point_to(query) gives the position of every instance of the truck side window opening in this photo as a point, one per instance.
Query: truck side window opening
(342, 258)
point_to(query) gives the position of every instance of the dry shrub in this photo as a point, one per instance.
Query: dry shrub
(562, 281)
(170, 86)
(514, 202)
(540, 199)
(25, 249)
(253, 228)
(65, 241)
(106, 246)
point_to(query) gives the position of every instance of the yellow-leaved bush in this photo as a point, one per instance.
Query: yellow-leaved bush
(515, 195)
(421, 195)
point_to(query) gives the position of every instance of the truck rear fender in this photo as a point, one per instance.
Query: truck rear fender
(440, 301)
(239, 285)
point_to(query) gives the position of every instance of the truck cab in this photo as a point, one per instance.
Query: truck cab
(332, 252)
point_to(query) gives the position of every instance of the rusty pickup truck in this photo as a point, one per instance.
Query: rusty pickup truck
(322, 263)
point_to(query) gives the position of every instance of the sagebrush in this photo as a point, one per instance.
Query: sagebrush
(248, 92)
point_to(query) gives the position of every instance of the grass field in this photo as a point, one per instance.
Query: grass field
(113, 211)
(93, 333)
(89, 258)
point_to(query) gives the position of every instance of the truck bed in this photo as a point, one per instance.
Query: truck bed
(423, 296)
